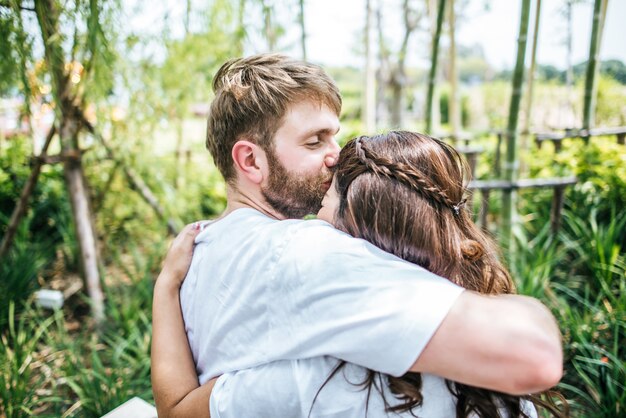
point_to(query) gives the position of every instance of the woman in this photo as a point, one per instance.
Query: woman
(403, 192)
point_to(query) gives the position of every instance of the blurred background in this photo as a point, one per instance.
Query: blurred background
(103, 107)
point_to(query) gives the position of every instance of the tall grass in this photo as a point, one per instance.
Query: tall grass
(21, 364)
(18, 272)
(580, 275)
(593, 313)
(101, 371)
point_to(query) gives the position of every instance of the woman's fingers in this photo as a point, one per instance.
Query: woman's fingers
(178, 258)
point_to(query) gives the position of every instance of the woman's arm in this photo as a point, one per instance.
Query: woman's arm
(508, 343)
(174, 380)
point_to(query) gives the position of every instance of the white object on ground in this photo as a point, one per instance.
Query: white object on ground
(51, 299)
(133, 408)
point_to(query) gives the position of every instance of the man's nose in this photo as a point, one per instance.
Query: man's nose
(333, 154)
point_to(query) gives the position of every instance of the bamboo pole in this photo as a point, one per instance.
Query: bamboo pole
(511, 166)
(368, 114)
(454, 105)
(382, 73)
(302, 30)
(531, 76)
(529, 88)
(592, 68)
(433, 66)
(27, 191)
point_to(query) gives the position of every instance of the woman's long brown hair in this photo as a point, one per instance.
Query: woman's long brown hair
(405, 193)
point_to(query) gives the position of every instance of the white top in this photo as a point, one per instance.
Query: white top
(288, 389)
(261, 290)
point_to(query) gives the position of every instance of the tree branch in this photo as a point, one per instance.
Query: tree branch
(20, 207)
(134, 179)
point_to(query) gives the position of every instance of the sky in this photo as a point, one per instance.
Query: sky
(333, 27)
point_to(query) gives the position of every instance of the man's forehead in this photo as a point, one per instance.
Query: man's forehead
(308, 115)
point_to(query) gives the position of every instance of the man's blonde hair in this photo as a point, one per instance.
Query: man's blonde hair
(251, 98)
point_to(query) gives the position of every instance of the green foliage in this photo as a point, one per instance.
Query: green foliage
(98, 374)
(9, 58)
(596, 252)
(444, 107)
(611, 102)
(536, 261)
(600, 168)
(494, 95)
(106, 373)
(20, 378)
(580, 274)
(612, 68)
(19, 270)
(45, 229)
(60, 365)
(89, 374)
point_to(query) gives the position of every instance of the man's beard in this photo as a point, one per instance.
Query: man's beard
(293, 195)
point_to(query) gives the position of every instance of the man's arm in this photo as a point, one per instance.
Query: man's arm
(174, 380)
(508, 343)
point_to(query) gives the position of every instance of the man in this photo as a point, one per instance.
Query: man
(260, 290)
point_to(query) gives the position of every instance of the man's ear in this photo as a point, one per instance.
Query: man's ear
(249, 160)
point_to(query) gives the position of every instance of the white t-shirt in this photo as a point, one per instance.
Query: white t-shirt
(288, 389)
(261, 290)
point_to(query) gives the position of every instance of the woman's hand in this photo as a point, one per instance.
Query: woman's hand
(178, 258)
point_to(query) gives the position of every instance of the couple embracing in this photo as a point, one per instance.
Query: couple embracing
(390, 303)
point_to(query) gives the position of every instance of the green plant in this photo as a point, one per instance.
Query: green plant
(596, 252)
(18, 270)
(19, 361)
(535, 262)
(595, 370)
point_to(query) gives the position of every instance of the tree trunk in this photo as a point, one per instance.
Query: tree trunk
(398, 73)
(433, 66)
(395, 109)
(509, 198)
(79, 198)
(454, 108)
(592, 67)
(69, 126)
(302, 30)
(368, 114)
(240, 33)
(187, 14)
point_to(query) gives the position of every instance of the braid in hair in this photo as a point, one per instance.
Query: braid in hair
(403, 173)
